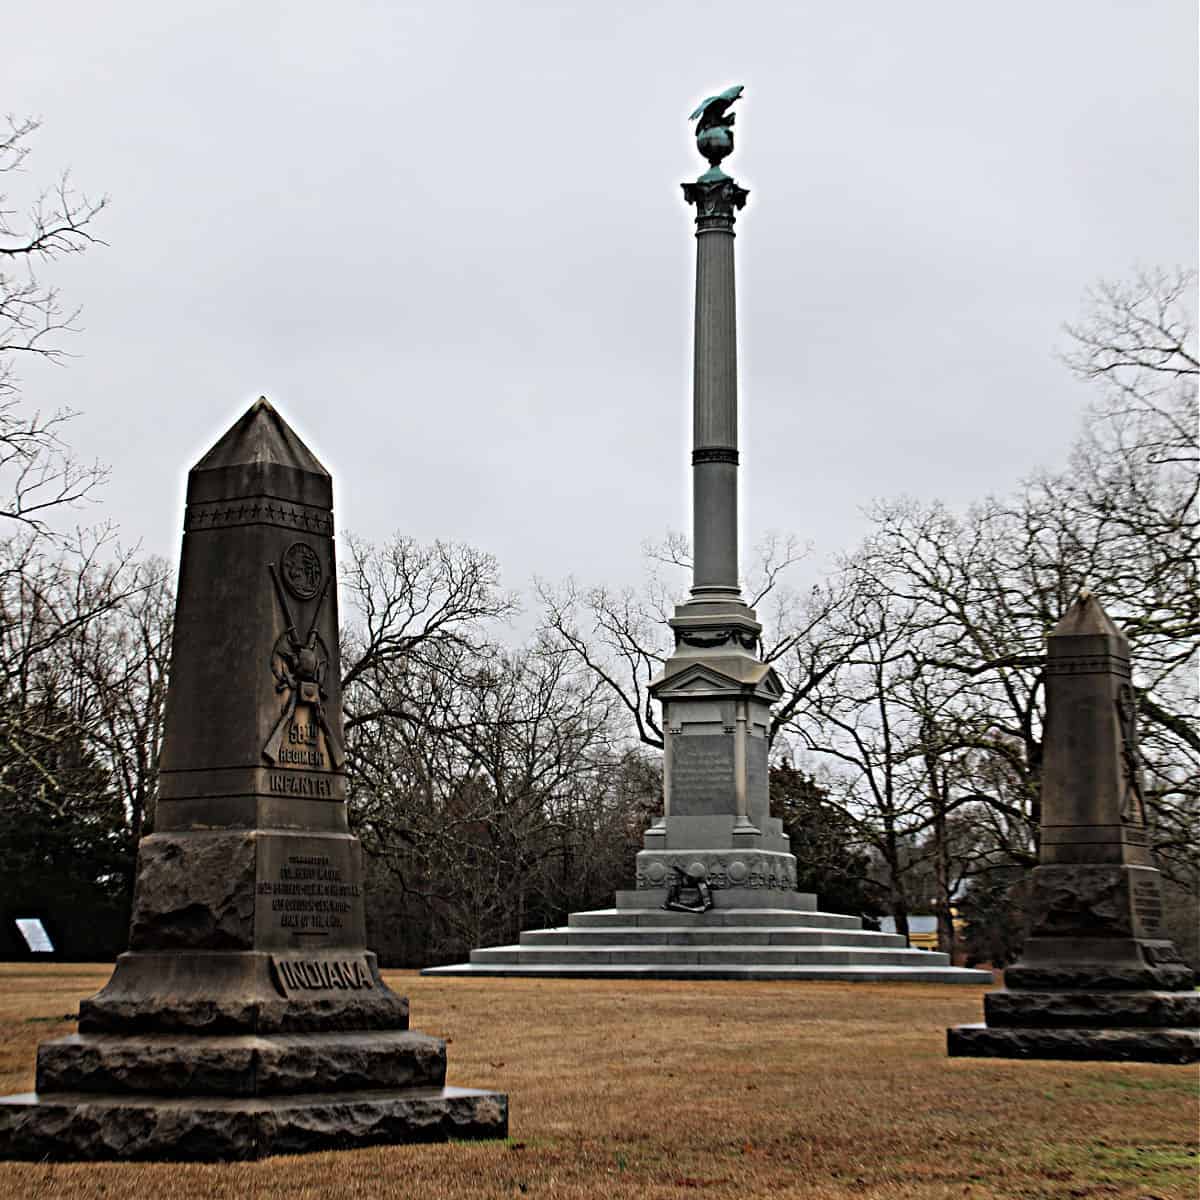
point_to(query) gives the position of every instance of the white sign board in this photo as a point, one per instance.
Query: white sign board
(36, 937)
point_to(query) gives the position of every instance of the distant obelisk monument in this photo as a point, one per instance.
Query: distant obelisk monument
(715, 893)
(1097, 978)
(247, 1017)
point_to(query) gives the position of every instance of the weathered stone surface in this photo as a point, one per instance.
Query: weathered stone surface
(1110, 1045)
(236, 1014)
(71, 1125)
(1086, 900)
(743, 871)
(240, 1065)
(195, 891)
(1101, 977)
(108, 1063)
(223, 993)
(1111, 1010)
(248, 1016)
(337, 1062)
(1096, 978)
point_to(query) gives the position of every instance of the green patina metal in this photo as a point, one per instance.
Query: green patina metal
(717, 197)
(714, 131)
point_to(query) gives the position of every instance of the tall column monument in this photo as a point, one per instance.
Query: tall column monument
(715, 691)
(715, 894)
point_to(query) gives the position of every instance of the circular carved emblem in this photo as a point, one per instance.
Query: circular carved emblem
(738, 871)
(656, 872)
(301, 570)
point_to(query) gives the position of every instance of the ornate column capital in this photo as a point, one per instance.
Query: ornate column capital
(716, 200)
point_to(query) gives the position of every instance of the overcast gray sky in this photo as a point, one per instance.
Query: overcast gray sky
(448, 241)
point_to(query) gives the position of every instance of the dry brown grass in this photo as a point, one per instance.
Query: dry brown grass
(665, 1089)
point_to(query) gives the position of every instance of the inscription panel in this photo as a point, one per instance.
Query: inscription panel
(702, 775)
(232, 781)
(308, 893)
(1147, 906)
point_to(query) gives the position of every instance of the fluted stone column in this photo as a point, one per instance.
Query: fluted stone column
(715, 398)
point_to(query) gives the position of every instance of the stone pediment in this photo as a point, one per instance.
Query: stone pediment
(719, 674)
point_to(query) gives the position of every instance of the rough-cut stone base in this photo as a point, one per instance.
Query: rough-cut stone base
(1099, 977)
(1100, 1010)
(227, 993)
(63, 1126)
(1109, 1045)
(246, 1065)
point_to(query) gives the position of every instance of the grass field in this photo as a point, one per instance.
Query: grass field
(717, 1089)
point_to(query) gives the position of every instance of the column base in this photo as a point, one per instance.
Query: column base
(733, 867)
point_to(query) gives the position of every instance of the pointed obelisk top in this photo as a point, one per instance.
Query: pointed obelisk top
(260, 455)
(1086, 618)
(261, 435)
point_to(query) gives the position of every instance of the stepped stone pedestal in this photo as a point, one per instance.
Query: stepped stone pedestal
(747, 934)
(716, 842)
(248, 1016)
(1097, 978)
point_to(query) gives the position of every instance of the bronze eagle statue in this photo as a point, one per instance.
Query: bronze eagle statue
(712, 112)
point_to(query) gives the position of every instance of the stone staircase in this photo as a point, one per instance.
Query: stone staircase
(782, 936)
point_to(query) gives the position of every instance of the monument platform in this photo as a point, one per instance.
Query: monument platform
(782, 936)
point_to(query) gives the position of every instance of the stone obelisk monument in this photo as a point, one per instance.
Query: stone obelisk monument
(1097, 978)
(715, 692)
(247, 1017)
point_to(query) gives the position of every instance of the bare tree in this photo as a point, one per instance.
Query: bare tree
(623, 638)
(412, 606)
(54, 584)
(1121, 518)
(491, 786)
(38, 472)
(123, 661)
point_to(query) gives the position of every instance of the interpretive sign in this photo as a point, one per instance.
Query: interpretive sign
(35, 935)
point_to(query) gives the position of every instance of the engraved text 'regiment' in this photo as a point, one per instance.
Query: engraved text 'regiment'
(303, 749)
